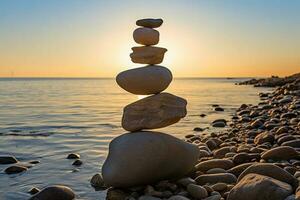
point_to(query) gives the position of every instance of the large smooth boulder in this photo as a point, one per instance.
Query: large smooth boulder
(56, 192)
(151, 79)
(280, 153)
(259, 187)
(156, 111)
(146, 36)
(142, 158)
(272, 171)
(147, 55)
(149, 22)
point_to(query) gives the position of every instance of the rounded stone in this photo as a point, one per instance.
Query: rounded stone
(146, 36)
(280, 153)
(15, 169)
(149, 22)
(216, 178)
(134, 159)
(156, 111)
(73, 156)
(197, 191)
(97, 181)
(259, 187)
(77, 162)
(214, 163)
(56, 192)
(147, 80)
(33, 191)
(147, 55)
(272, 171)
(8, 160)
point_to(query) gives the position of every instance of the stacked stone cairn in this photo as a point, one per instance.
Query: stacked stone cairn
(142, 157)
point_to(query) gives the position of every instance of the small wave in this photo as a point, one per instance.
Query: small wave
(42, 134)
(109, 125)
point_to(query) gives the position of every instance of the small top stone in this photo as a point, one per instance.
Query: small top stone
(149, 23)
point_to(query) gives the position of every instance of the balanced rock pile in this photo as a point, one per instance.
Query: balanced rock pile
(142, 157)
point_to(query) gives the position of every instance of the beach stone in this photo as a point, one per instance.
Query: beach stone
(245, 157)
(280, 153)
(97, 181)
(259, 187)
(197, 191)
(264, 137)
(185, 181)
(140, 154)
(214, 163)
(147, 80)
(216, 171)
(219, 109)
(34, 190)
(147, 55)
(146, 36)
(218, 124)
(257, 124)
(220, 153)
(237, 170)
(156, 111)
(73, 156)
(285, 139)
(292, 143)
(77, 162)
(219, 187)
(272, 171)
(56, 192)
(14, 169)
(149, 22)
(7, 160)
(115, 194)
(216, 178)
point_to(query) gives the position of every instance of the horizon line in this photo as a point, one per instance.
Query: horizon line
(110, 77)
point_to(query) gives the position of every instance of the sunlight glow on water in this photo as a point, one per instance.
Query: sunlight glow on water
(44, 120)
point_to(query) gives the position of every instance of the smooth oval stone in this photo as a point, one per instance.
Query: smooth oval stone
(259, 187)
(97, 181)
(150, 23)
(216, 178)
(146, 36)
(280, 153)
(142, 158)
(56, 192)
(147, 55)
(197, 191)
(147, 80)
(7, 160)
(156, 111)
(14, 169)
(271, 170)
(214, 163)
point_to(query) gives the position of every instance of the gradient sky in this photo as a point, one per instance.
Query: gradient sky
(204, 38)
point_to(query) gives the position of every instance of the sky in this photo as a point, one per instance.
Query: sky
(204, 38)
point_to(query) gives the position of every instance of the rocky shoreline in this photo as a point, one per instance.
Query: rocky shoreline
(257, 158)
(273, 81)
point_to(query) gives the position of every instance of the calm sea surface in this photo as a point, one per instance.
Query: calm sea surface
(46, 119)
